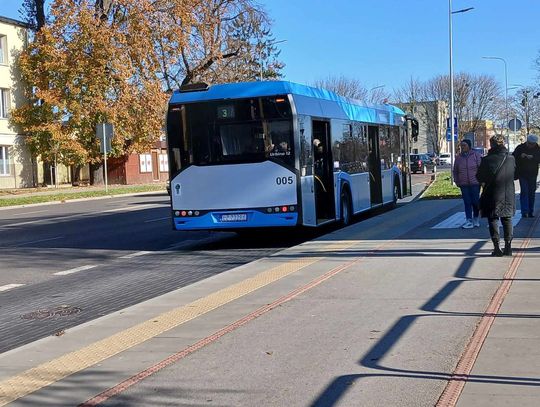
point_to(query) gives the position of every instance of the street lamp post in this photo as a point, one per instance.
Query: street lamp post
(505, 96)
(261, 55)
(372, 89)
(452, 127)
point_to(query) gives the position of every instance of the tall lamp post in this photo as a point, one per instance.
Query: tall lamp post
(452, 127)
(505, 96)
(374, 88)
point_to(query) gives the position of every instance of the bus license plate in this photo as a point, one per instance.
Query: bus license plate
(234, 217)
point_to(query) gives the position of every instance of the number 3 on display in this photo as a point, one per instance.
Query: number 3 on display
(284, 180)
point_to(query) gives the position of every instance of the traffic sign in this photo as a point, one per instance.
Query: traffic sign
(514, 124)
(448, 135)
(448, 131)
(104, 133)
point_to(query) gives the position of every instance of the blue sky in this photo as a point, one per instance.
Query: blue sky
(387, 42)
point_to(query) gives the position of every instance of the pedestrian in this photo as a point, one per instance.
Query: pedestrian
(527, 157)
(465, 168)
(498, 202)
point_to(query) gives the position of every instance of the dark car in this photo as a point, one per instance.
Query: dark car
(422, 163)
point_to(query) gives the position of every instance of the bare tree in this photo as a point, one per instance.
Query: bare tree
(343, 86)
(218, 41)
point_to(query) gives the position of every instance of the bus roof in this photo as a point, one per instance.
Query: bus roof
(308, 100)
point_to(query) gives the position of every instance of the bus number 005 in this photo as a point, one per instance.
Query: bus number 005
(284, 180)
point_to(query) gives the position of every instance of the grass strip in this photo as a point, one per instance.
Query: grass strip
(442, 188)
(68, 195)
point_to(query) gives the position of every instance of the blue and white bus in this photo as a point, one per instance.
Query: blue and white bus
(281, 154)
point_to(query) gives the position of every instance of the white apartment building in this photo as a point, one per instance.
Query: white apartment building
(16, 167)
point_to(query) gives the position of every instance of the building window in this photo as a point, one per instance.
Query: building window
(4, 103)
(4, 160)
(145, 162)
(3, 50)
(163, 163)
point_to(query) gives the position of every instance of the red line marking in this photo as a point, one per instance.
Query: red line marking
(124, 385)
(453, 389)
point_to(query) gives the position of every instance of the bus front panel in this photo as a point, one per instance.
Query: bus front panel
(232, 164)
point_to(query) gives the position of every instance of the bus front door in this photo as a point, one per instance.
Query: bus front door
(323, 172)
(374, 162)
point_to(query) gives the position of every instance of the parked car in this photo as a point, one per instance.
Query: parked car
(422, 163)
(444, 159)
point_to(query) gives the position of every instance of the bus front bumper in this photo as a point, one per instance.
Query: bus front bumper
(235, 220)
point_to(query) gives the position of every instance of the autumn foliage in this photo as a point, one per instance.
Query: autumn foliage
(115, 61)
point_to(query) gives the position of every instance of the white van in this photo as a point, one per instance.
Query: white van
(444, 159)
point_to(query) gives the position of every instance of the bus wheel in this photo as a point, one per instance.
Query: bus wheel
(346, 210)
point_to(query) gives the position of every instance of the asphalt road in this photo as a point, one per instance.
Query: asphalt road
(62, 265)
(65, 264)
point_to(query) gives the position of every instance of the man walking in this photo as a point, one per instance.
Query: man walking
(527, 159)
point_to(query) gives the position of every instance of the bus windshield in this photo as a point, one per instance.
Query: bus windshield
(230, 131)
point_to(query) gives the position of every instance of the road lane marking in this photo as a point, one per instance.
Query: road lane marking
(136, 254)
(157, 220)
(75, 270)
(9, 287)
(57, 369)
(134, 208)
(82, 215)
(28, 213)
(37, 241)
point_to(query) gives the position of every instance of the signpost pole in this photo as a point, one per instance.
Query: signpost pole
(104, 141)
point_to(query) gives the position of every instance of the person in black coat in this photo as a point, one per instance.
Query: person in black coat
(498, 201)
(527, 157)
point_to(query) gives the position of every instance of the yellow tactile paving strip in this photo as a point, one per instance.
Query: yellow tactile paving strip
(50, 372)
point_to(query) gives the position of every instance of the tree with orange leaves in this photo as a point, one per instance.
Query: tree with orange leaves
(114, 61)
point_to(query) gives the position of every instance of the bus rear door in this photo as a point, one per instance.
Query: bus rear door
(374, 162)
(323, 172)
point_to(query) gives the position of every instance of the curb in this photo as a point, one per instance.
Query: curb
(421, 194)
(64, 201)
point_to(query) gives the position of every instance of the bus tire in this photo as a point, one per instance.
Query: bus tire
(346, 206)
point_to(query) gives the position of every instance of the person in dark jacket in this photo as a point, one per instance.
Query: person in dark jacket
(496, 174)
(527, 157)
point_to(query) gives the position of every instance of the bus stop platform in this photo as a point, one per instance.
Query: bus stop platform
(395, 310)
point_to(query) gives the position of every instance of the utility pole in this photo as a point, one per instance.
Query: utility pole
(525, 104)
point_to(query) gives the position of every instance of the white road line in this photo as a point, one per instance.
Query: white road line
(30, 222)
(28, 213)
(134, 208)
(136, 254)
(81, 215)
(157, 220)
(75, 270)
(9, 287)
(38, 241)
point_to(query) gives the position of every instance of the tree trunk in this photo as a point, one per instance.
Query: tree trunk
(75, 175)
(96, 174)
